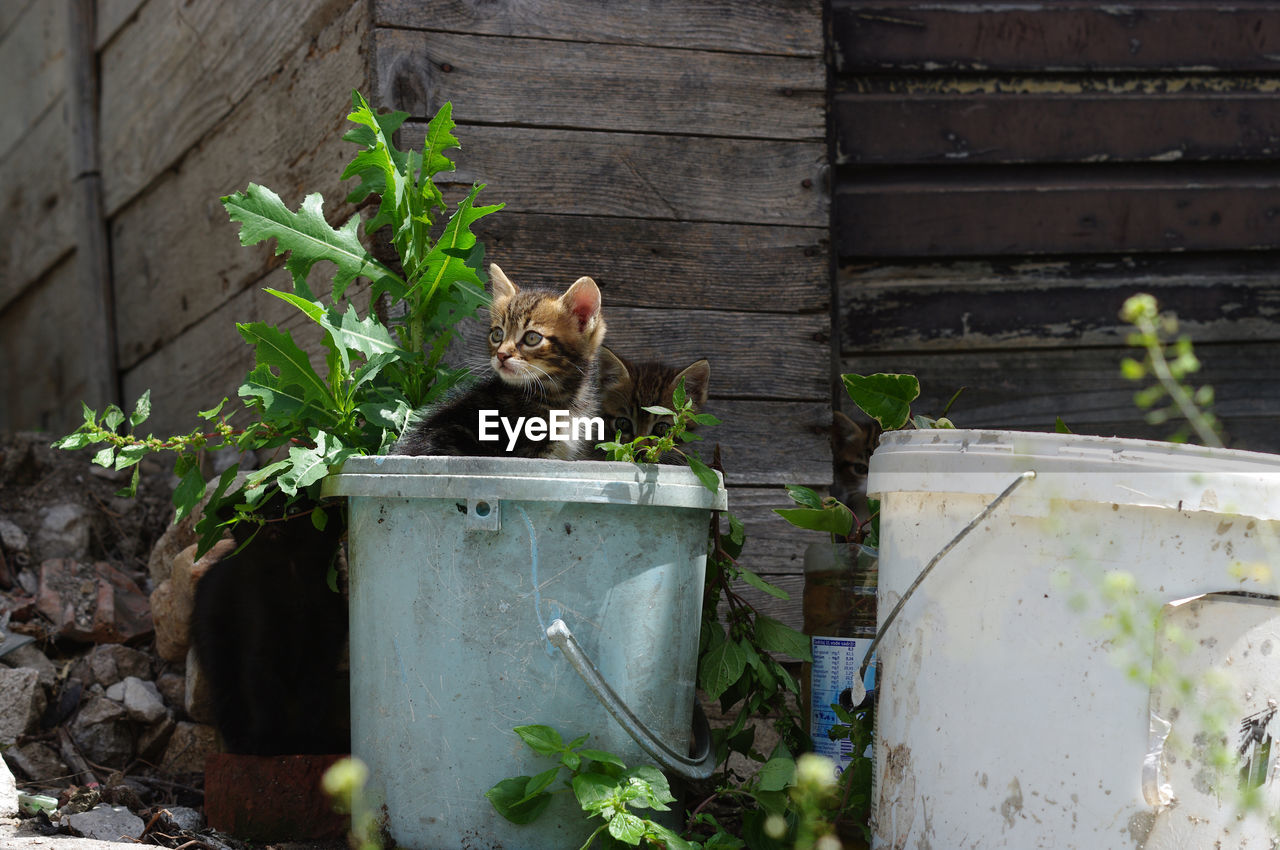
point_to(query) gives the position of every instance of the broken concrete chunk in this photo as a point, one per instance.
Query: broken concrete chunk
(93, 603)
(8, 792)
(140, 698)
(64, 532)
(188, 747)
(38, 762)
(107, 823)
(22, 701)
(101, 731)
(29, 657)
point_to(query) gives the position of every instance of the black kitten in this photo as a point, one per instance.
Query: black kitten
(269, 635)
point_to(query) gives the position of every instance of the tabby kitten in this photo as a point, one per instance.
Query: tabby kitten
(543, 349)
(627, 388)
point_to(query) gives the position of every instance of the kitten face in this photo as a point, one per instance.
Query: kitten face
(537, 338)
(851, 448)
(627, 388)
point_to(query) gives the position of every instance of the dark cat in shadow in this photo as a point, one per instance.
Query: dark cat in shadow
(269, 634)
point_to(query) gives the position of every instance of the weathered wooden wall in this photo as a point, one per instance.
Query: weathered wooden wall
(1008, 173)
(196, 100)
(676, 152)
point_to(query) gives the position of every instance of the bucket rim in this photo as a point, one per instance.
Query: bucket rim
(524, 479)
(1079, 467)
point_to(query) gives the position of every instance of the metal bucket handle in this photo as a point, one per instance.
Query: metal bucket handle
(858, 690)
(700, 766)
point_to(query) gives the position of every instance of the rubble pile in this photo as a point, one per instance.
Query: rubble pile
(103, 723)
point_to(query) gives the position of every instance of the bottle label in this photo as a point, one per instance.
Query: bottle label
(835, 666)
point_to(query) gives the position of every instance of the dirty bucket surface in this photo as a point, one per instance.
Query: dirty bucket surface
(1003, 717)
(458, 567)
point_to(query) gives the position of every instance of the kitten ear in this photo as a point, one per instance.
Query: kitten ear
(612, 370)
(500, 284)
(846, 432)
(583, 300)
(696, 380)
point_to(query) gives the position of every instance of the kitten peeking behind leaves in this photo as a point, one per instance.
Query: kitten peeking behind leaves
(543, 349)
(627, 388)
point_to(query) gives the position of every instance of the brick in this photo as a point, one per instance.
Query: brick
(270, 798)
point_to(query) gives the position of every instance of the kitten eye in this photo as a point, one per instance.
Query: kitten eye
(531, 339)
(495, 336)
(661, 428)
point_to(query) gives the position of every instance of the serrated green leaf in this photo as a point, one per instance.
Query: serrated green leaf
(541, 739)
(593, 790)
(442, 266)
(276, 350)
(305, 236)
(602, 757)
(886, 398)
(705, 474)
(833, 519)
(720, 667)
(776, 774)
(762, 585)
(779, 637)
(189, 491)
(141, 410)
(627, 828)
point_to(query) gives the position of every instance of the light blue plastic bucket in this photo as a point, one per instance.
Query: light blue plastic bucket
(490, 593)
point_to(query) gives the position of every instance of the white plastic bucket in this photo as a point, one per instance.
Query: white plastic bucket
(1001, 720)
(467, 577)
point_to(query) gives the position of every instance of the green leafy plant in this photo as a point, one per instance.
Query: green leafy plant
(378, 367)
(1169, 363)
(650, 448)
(603, 785)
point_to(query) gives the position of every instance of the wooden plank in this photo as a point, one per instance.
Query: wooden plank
(1023, 127)
(775, 356)
(769, 442)
(113, 16)
(39, 219)
(44, 376)
(974, 304)
(93, 263)
(209, 59)
(773, 545)
(1063, 35)
(33, 64)
(11, 13)
(1083, 211)
(601, 87)
(785, 27)
(1026, 390)
(649, 263)
(175, 254)
(641, 176)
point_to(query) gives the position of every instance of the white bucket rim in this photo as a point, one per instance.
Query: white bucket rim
(523, 479)
(1078, 467)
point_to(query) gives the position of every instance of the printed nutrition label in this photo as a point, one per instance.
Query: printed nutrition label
(835, 667)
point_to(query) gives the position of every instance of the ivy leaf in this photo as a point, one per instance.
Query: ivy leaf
(833, 518)
(304, 235)
(886, 398)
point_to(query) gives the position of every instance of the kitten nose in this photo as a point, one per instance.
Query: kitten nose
(503, 355)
